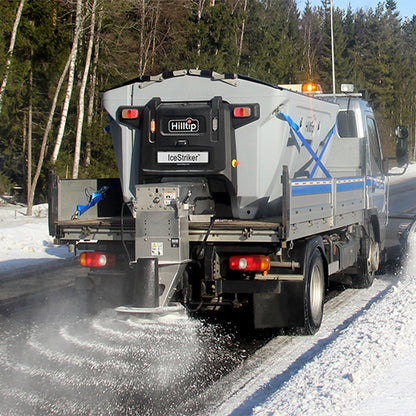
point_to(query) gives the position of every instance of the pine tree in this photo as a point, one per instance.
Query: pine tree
(273, 41)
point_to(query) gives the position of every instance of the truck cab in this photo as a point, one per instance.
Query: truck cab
(356, 151)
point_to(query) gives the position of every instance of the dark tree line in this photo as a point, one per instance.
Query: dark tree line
(57, 55)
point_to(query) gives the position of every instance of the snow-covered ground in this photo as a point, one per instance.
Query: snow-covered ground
(24, 240)
(366, 366)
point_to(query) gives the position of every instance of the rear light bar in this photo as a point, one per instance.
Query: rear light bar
(97, 259)
(250, 263)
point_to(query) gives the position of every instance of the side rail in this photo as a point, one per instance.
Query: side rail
(313, 206)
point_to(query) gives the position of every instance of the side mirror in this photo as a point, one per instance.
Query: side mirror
(402, 154)
(402, 132)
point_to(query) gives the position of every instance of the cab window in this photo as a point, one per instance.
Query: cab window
(347, 125)
(375, 151)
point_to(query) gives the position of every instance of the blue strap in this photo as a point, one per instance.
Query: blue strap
(95, 198)
(296, 129)
(331, 133)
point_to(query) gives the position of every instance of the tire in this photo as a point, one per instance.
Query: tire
(368, 264)
(313, 294)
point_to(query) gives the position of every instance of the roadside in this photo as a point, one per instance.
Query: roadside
(25, 240)
(30, 264)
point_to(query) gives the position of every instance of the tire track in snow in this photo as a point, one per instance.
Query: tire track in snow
(282, 358)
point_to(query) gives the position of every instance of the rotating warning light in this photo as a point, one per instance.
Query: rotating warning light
(250, 263)
(311, 88)
(96, 259)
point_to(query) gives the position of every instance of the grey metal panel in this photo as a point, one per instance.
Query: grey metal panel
(310, 207)
(310, 213)
(162, 232)
(262, 147)
(73, 192)
(349, 201)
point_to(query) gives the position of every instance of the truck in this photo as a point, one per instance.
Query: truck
(232, 193)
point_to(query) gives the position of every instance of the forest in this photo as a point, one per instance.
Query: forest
(57, 56)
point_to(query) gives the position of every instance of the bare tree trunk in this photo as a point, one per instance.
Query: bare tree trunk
(29, 144)
(142, 29)
(93, 84)
(199, 15)
(81, 101)
(65, 108)
(243, 26)
(154, 30)
(10, 51)
(149, 44)
(33, 182)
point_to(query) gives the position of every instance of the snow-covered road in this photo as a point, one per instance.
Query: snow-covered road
(361, 362)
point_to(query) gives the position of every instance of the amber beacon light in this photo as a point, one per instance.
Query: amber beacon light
(311, 88)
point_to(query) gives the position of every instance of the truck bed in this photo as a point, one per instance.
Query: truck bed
(310, 207)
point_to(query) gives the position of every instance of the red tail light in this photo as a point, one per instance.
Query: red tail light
(241, 112)
(96, 259)
(250, 263)
(130, 114)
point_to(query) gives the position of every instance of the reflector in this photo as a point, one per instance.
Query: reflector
(152, 126)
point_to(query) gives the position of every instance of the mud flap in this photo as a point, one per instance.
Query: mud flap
(286, 310)
(279, 310)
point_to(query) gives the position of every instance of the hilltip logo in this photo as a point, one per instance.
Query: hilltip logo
(189, 125)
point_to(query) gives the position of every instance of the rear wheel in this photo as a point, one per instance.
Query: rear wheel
(368, 263)
(314, 289)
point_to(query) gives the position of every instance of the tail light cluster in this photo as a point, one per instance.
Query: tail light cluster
(129, 113)
(250, 263)
(97, 259)
(239, 112)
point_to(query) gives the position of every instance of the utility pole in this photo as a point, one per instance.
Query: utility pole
(332, 49)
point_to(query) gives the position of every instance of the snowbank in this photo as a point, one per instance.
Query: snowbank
(25, 240)
(409, 173)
